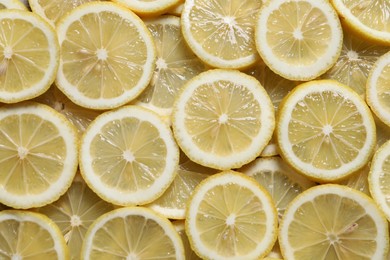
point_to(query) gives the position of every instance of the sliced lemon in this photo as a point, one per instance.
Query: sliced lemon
(281, 181)
(180, 228)
(53, 10)
(175, 65)
(149, 7)
(107, 55)
(79, 116)
(230, 216)
(378, 88)
(223, 119)
(177, 9)
(12, 4)
(38, 151)
(29, 235)
(382, 132)
(333, 222)
(128, 156)
(172, 203)
(355, 62)
(29, 55)
(379, 178)
(132, 233)
(221, 33)
(325, 130)
(74, 212)
(358, 180)
(368, 18)
(300, 40)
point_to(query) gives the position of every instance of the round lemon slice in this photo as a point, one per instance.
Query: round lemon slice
(128, 156)
(223, 119)
(132, 233)
(107, 55)
(12, 4)
(29, 235)
(74, 212)
(379, 178)
(300, 39)
(221, 34)
(149, 7)
(378, 88)
(331, 221)
(368, 18)
(29, 55)
(38, 155)
(230, 216)
(325, 130)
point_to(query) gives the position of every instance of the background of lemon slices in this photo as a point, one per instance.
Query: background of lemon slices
(194, 129)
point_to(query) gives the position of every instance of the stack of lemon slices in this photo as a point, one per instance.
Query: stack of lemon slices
(194, 129)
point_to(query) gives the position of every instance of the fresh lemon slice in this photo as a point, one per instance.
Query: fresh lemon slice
(29, 55)
(281, 181)
(333, 222)
(38, 155)
(79, 116)
(12, 4)
(368, 18)
(230, 216)
(172, 203)
(223, 119)
(221, 34)
(128, 156)
(29, 235)
(325, 130)
(355, 62)
(149, 7)
(378, 88)
(177, 10)
(107, 55)
(53, 10)
(358, 180)
(175, 65)
(300, 40)
(379, 178)
(180, 228)
(74, 212)
(132, 233)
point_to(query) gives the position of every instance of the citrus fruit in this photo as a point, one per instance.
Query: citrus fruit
(149, 7)
(12, 4)
(180, 228)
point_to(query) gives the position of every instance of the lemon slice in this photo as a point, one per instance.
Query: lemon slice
(281, 181)
(172, 203)
(132, 233)
(28, 235)
(325, 130)
(177, 9)
(175, 65)
(378, 88)
(149, 7)
(38, 155)
(12, 4)
(180, 228)
(230, 216)
(29, 55)
(333, 222)
(368, 18)
(379, 179)
(79, 116)
(128, 156)
(358, 180)
(74, 212)
(300, 40)
(107, 55)
(355, 62)
(221, 34)
(53, 10)
(223, 119)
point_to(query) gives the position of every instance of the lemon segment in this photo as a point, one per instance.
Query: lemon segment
(108, 55)
(223, 119)
(331, 221)
(29, 235)
(38, 151)
(128, 156)
(299, 40)
(325, 130)
(29, 55)
(132, 233)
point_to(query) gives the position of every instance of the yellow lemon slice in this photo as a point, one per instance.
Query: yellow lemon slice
(180, 228)
(149, 7)
(12, 4)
